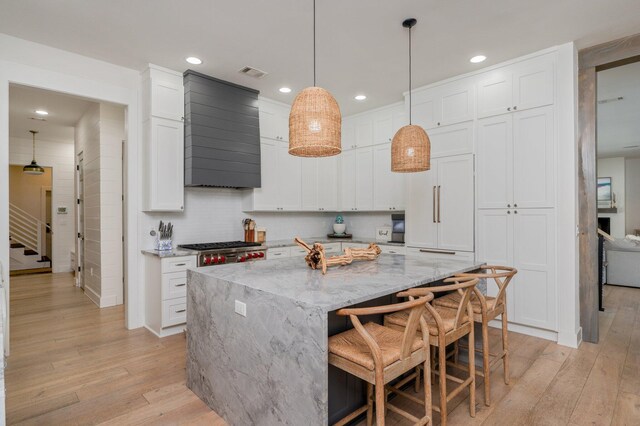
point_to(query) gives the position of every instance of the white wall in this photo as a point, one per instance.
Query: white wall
(60, 157)
(614, 168)
(215, 214)
(99, 135)
(632, 184)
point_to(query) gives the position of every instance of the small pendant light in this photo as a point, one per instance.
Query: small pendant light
(33, 168)
(315, 121)
(410, 148)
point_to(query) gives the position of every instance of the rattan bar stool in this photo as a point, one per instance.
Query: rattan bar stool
(445, 326)
(379, 354)
(485, 309)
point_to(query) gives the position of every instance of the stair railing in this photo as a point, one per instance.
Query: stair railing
(26, 229)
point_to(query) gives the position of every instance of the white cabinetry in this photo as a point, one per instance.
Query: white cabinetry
(523, 238)
(274, 120)
(443, 105)
(356, 179)
(319, 190)
(281, 175)
(524, 85)
(440, 205)
(388, 187)
(515, 158)
(166, 293)
(163, 139)
(455, 139)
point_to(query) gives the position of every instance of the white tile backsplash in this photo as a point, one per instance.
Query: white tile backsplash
(215, 214)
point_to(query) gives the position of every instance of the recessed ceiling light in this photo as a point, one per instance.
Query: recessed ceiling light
(41, 112)
(193, 60)
(477, 59)
(285, 90)
(360, 97)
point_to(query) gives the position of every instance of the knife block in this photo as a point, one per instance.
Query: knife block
(164, 245)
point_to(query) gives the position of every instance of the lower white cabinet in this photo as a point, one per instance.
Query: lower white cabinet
(435, 254)
(523, 238)
(440, 205)
(166, 293)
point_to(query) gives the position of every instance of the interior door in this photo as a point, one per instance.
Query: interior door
(421, 215)
(455, 203)
(80, 221)
(495, 162)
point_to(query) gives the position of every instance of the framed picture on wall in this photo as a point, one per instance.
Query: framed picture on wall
(605, 195)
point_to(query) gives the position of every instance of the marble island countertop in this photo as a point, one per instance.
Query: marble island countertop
(342, 286)
(169, 253)
(327, 240)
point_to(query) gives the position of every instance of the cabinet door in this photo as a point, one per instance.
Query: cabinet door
(533, 158)
(382, 126)
(426, 108)
(495, 93)
(494, 245)
(167, 95)
(167, 165)
(495, 162)
(311, 184)
(455, 203)
(266, 197)
(282, 123)
(455, 139)
(364, 178)
(364, 131)
(289, 169)
(420, 215)
(327, 183)
(534, 286)
(347, 183)
(382, 178)
(268, 120)
(533, 83)
(348, 134)
(456, 104)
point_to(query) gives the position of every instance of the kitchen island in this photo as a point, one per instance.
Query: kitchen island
(270, 366)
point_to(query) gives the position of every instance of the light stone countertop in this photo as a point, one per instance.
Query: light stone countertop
(342, 286)
(169, 253)
(327, 240)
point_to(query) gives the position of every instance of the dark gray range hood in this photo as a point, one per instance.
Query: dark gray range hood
(222, 133)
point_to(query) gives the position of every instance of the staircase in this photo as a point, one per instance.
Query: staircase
(26, 240)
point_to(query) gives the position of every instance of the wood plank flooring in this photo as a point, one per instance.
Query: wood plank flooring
(73, 363)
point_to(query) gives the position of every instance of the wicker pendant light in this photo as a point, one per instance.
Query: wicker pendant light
(411, 147)
(315, 121)
(33, 168)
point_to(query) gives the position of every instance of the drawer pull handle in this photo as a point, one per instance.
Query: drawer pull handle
(180, 264)
(179, 311)
(181, 285)
(437, 251)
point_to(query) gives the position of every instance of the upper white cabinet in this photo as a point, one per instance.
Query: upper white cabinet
(388, 187)
(163, 139)
(319, 190)
(515, 158)
(440, 206)
(372, 128)
(364, 131)
(347, 185)
(443, 105)
(281, 175)
(356, 180)
(274, 120)
(386, 123)
(455, 139)
(524, 85)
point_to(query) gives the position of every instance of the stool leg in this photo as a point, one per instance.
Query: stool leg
(427, 390)
(380, 399)
(472, 372)
(417, 382)
(485, 362)
(505, 346)
(432, 349)
(369, 404)
(442, 364)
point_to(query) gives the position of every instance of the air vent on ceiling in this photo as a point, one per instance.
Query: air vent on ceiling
(252, 72)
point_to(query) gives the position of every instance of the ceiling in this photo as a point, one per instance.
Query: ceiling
(619, 120)
(64, 112)
(361, 45)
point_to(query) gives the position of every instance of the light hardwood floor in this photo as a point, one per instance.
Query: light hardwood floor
(73, 363)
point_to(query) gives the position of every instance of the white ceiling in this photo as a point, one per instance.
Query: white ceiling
(619, 121)
(362, 47)
(64, 113)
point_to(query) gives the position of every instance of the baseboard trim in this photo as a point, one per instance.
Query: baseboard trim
(569, 339)
(525, 329)
(92, 295)
(168, 331)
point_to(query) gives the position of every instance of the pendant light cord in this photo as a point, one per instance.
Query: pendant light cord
(409, 75)
(314, 43)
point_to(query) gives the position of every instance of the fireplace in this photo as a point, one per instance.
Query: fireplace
(604, 223)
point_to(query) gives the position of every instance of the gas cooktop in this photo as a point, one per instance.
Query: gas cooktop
(218, 246)
(227, 252)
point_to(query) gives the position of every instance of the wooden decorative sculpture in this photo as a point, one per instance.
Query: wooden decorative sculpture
(316, 257)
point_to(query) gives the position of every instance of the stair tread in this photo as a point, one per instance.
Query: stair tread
(29, 252)
(16, 245)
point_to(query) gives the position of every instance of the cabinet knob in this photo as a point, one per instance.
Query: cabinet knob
(509, 109)
(438, 123)
(508, 206)
(508, 211)
(515, 108)
(181, 207)
(515, 212)
(515, 205)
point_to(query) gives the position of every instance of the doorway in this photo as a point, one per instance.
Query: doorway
(591, 61)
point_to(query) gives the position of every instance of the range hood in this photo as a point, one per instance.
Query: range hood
(222, 133)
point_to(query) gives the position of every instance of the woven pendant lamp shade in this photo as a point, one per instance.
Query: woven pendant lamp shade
(315, 124)
(410, 150)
